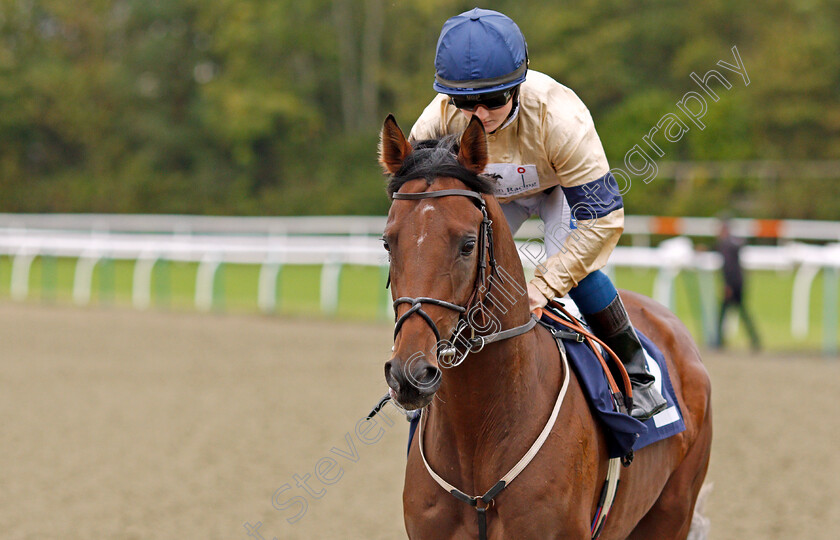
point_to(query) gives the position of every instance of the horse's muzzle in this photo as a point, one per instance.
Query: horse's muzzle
(413, 381)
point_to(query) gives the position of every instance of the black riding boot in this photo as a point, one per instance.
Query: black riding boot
(612, 325)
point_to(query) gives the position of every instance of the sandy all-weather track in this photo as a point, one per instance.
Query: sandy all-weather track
(124, 424)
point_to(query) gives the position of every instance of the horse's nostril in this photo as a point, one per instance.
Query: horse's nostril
(391, 376)
(429, 375)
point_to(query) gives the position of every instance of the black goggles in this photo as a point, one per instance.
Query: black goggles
(493, 100)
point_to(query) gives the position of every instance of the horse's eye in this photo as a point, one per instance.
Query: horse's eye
(386, 245)
(468, 247)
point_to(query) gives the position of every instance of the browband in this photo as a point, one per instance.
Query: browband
(440, 193)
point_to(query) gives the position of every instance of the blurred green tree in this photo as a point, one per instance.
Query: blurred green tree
(273, 106)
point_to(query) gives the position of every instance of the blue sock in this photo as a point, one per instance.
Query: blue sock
(594, 293)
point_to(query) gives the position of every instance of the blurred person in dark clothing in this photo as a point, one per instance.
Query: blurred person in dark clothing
(733, 284)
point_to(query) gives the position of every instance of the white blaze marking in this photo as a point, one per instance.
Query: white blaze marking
(426, 209)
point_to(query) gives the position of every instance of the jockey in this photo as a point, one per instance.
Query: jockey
(541, 137)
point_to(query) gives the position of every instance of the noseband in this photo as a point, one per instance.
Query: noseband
(485, 256)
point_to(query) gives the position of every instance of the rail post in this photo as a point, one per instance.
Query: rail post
(830, 301)
(330, 281)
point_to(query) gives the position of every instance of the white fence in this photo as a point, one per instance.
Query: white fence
(636, 226)
(335, 241)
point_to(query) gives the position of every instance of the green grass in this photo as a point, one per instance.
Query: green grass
(362, 295)
(361, 289)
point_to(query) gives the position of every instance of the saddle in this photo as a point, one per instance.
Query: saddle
(605, 384)
(564, 325)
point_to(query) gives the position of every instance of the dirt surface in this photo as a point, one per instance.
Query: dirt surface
(125, 424)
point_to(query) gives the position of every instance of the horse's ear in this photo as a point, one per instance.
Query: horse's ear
(393, 146)
(473, 152)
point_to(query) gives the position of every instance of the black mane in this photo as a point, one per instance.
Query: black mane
(435, 158)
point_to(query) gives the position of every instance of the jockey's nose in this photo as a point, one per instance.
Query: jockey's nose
(482, 112)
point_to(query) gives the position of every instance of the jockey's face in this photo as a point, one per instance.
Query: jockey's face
(491, 118)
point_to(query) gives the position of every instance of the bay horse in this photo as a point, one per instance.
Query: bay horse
(446, 235)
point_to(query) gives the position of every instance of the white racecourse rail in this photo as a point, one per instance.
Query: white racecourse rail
(336, 241)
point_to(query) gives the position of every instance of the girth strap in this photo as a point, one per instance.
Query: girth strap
(608, 494)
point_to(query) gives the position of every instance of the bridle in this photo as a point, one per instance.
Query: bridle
(486, 256)
(476, 343)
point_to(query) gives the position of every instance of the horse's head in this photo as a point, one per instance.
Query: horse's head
(438, 243)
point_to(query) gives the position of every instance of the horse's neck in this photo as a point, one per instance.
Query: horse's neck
(489, 389)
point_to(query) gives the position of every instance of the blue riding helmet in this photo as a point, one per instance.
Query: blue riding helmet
(480, 51)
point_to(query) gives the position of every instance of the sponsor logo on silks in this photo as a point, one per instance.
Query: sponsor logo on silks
(512, 179)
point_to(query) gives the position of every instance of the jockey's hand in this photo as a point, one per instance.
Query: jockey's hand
(536, 300)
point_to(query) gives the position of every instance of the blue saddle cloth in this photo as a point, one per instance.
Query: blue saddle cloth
(624, 433)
